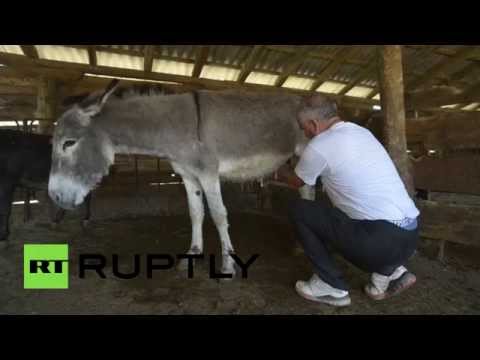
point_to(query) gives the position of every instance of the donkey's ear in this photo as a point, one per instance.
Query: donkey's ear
(94, 104)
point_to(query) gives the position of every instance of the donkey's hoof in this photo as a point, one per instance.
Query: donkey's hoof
(231, 271)
(182, 264)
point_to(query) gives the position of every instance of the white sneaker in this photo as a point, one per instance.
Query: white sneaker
(318, 290)
(382, 287)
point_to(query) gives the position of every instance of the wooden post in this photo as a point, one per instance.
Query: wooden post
(46, 105)
(393, 106)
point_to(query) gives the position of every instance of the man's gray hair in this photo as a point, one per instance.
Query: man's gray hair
(318, 107)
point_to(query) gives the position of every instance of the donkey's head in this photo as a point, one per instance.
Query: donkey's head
(81, 152)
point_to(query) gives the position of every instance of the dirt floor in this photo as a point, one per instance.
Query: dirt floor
(452, 287)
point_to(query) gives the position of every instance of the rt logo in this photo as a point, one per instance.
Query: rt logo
(45, 266)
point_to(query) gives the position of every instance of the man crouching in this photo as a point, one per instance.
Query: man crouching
(373, 221)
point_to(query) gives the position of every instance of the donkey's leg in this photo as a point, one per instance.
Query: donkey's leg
(195, 206)
(87, 210)
(27, 209)
(56, 213)
(211, 187)
(7, 190)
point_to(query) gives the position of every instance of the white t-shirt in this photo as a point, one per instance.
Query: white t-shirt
(357, 174)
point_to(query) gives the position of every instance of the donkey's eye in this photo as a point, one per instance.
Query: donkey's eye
(68, 144)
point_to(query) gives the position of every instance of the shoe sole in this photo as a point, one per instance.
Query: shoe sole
(396, 287)
(330, 300)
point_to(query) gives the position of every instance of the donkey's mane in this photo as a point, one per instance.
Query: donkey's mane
(141, 91)
(122, 93)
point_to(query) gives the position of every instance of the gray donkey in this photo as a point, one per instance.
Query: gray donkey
(206, 135)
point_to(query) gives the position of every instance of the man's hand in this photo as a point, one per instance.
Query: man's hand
(286, 175)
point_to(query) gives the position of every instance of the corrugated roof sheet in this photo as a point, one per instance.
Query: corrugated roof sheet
(231, 55)
(119, 60)
(178, 51)
(359, 91)
(219, 73)
(273, 61)
(365, 53)
(11, 49)
(224, 62)
(256, 77)
(312, 67)
(133, 49)
(331, 87)
(172, 67)
(297, 82)
(330, 50)
(62, 53)
(346, 72)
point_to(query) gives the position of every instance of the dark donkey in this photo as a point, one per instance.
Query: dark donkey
(25, 161)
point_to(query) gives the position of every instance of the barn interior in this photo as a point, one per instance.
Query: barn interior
(421, 101)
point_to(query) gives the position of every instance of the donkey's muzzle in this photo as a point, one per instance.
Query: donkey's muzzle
(65, 192)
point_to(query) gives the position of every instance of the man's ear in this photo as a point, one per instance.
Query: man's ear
(93, 105)
(316, 126)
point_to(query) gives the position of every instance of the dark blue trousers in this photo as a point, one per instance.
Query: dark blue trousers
(373, 246)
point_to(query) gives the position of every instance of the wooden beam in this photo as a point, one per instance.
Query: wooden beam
(17, 113)
(28, 68)
(15, 101)
(46, 105)
(156, 54)
(455, 223)
(66, 72)
(446, 130)
(465, 71)
(473, 92)
(92, 55)
(200, 60)
(439, 110)
(6, 90)
(327, 56)
(14, 78)
(293, 64)
(318, 54)
(471, 95)
(333, 66)
(148, 55)
(443, 67)
(374, 92)
(422, 52)
(432, 97)
(90, 84)
(249, 64)
(393, 107)
(361, 75)
(30, 51)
